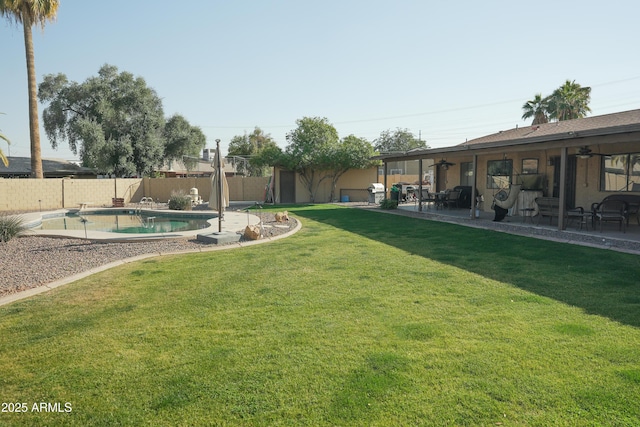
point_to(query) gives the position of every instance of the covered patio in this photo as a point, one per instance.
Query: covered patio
(569, 165)
(610, 237)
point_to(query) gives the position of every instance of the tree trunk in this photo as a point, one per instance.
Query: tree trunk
(34, 126)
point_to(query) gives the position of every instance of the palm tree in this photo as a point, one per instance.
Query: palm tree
(569, 101)
(536, 108)
(29, 13)
(3, 158)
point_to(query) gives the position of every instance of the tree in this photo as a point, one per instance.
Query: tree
(30, 13)
(114, 121)
(538, 108)
(317, 154)
(306, 152)
(398, 140)
(183, 141)
(3, 158)
(250, 146)
(271, 155)
(569, 101)
(351, 153)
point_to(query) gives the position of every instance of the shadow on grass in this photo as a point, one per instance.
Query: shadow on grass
(601, 282)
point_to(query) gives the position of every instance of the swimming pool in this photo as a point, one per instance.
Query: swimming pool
(140, 224)
(127, 222)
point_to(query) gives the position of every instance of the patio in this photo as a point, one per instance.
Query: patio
(609, 238)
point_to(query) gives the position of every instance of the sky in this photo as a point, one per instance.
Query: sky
(447, 71)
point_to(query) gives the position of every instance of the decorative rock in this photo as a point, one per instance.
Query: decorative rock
(252, 232)
(282, 216)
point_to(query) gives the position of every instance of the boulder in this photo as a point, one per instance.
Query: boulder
(282, 216)
(252, 232)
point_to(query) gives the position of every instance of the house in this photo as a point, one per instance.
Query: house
(20, 167)
(195, 166)
(578, 161)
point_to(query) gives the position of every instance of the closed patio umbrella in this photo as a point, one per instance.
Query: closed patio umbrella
(219, 197)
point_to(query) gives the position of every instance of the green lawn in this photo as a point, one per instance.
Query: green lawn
(360, 319)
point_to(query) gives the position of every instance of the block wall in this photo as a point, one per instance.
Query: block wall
(49, 194)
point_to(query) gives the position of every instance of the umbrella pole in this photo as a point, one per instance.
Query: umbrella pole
(220, 188)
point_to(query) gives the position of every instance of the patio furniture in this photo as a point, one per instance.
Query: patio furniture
(632, 201)
(427, 197)
(550, 207)
(441, 198)
(527, 213)
(452, 199)
(612, 211)
(547, 207)
(502, 201)
(464, 201)
(578, 214)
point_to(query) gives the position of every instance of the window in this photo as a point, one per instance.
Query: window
(466, 174)
(529, 166)
(620, 172)
(499, 173)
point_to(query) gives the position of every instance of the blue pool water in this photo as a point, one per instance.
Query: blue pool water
(126, 222)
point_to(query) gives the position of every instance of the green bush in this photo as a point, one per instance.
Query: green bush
(180, 201)
(389, 204)
(11, 226)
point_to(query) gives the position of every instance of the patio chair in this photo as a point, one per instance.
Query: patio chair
(612, 211)
(453, 197)
(427, 197)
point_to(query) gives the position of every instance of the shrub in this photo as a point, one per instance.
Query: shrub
(11, 226)
(389, 204)
(180, 201)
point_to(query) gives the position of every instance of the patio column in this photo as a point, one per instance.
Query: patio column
(385, 179)
(563, 182)
(474, 192)
(419, 185)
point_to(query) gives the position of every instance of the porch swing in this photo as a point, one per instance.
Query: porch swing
(503, 200)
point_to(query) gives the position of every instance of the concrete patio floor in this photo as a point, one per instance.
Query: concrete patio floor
(609, 230)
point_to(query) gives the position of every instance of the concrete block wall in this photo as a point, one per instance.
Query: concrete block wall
(30, 194)
(49, 194)
(240, 188)
(98, 192)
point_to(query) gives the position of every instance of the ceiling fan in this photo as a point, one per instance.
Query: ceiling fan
(584, 152)
(443, 163)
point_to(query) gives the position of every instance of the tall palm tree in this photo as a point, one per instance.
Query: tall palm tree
(569, 101)
(29, 13)
(3, 158)
(536, 108)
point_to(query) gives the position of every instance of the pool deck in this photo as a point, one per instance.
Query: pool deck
(232, 222)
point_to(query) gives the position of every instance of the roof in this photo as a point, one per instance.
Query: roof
(566, 132)
(605, 124)
(52, 168)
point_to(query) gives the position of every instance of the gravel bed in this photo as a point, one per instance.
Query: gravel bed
(32, 261)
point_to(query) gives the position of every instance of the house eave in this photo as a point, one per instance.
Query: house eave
(557, 140)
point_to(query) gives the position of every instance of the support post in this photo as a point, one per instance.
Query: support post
(562, 193)
(474, 191)
(419, 185)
